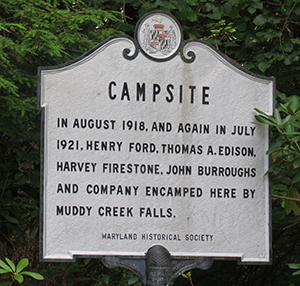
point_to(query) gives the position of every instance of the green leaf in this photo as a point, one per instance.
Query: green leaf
(286, 120)
(184, 275)
(288, 206)
(35, 213)
(22, 264)
(234, 12)
(257, 5)
(297, 9)
(33, 275)
(53, 275)
(266, 115)
(288, 47)
(231, 44)
(270, 34)
(296, 178)
(263, 65)
(277, 116)
(208, 7)
(296, 273)
(19, 277)
(2, 271)
(263, 120)
(248, 65)
(5, 266)
(296, 41)
(295, 118)
(5, 283)
(33, 231)
(215, 16)
(275, 146)
(251, 10)
(11, 219)
(106, 279)
(74, 267)
(280, 187)
(69, 280)
(294, 265)
(189, 13)
(294, 103)
(11, 264)
(192, 2)
(296, 163)
(260, 20)
(83, 279)
(289, 110)
(278, 215)
(288, 60)
(293, 133)
(132, 280)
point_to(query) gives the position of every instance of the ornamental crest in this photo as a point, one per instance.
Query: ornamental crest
(159, 35)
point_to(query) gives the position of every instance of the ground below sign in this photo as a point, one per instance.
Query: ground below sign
(149, 141)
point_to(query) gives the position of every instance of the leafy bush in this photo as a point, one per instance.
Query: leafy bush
(285, 152)
(15, 273)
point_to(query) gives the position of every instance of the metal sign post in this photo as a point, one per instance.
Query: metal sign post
(149, 157)
(158, 268)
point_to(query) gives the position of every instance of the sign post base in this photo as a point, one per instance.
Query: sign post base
(157, 267)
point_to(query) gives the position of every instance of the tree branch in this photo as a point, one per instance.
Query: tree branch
(286, 198)
(284, 25)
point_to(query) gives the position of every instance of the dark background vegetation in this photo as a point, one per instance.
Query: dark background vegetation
(262, 36)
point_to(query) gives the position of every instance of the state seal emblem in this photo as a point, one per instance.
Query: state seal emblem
(159, 35)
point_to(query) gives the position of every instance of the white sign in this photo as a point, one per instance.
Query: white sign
(149, 141)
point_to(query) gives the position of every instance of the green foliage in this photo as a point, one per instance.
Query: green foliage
(15, 273)
(263, 36)
(87, 272)
(32, 34)
(127, 278)
(188, 275)
(285, 152)
(295, 266)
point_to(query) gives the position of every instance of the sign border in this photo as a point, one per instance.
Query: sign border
(126, 54)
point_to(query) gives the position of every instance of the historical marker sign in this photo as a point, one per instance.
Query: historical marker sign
(150, 141)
